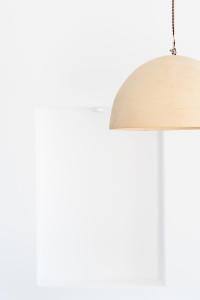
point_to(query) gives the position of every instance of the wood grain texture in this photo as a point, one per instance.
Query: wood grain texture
(161, 94)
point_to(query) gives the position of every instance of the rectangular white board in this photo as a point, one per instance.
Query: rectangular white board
(99, 206)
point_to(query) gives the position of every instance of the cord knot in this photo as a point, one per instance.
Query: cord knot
(173, 51)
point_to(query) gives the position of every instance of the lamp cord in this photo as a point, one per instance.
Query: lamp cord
(173, 50)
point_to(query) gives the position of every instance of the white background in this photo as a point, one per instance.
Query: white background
(79, 52)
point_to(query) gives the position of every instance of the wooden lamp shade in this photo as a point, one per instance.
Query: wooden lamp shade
(162, 94)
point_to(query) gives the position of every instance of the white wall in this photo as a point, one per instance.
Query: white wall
(79, 52)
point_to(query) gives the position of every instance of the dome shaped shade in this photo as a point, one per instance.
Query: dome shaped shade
(161, 94)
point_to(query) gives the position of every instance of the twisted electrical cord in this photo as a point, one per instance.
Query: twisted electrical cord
(173, 50)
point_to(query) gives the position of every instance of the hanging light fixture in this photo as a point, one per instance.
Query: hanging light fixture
(162, 94)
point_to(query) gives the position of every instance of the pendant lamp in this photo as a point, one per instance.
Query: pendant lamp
(162, 94)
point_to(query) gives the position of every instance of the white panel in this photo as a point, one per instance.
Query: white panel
(182, 193)
(98, 201)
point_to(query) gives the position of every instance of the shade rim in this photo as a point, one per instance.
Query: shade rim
(155, 128)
